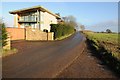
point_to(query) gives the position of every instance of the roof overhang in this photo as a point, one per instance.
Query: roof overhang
(35, 8)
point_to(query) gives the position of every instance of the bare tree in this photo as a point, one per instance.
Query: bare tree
(65, 19)
(57, 14)
(1, 21)
(71, 20)
(82, 27)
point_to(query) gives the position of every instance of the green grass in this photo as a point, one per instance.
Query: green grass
(104, 37)
(105, 47)
(108, 40)
(6, 52)
(63, 37)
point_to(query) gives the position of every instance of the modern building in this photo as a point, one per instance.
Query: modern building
(34, 17)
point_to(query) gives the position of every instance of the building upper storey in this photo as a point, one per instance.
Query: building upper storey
(31, 14)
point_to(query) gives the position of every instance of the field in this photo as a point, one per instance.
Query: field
(108, 40)
(106, 48)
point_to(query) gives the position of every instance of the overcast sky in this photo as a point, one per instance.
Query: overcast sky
(96, 16)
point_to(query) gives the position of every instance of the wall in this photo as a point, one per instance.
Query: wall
(49, 19)
(41, 20)
(16, 33)
(31, 34)
(51, 36)
(35, 34)
(16, 20)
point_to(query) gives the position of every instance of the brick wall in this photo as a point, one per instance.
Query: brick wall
(35, 34)
(29, 34)
(16, 33)
(51, 36)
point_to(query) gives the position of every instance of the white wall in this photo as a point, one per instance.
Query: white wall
(46, 20)
(22, 25)
(15, 20)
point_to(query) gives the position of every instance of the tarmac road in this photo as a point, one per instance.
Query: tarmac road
(36, 59)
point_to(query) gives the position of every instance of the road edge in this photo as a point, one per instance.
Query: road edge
(69, 64)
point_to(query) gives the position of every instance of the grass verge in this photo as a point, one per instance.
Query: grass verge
(63, 37)
(100, 48)
(6, 52)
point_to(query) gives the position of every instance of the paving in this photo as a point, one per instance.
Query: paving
(40, 59)
(51, 59)
(87, 66)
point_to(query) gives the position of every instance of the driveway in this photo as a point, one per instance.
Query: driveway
(40, 59)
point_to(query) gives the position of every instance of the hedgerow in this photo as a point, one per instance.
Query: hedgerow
(61, 30)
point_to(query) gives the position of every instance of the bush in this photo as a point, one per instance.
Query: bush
(4, 34)
(108, 31)
(61, 30)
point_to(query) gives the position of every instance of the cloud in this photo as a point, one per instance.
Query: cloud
(107, 24)
(110, 24)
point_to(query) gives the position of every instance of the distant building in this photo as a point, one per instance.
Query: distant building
(35, 17)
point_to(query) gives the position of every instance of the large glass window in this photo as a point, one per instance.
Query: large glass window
(32, 18)
(27, 24)
(22, 18)
(26, 18)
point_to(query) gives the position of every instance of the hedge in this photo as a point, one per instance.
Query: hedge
(4, 36)
(61, 30)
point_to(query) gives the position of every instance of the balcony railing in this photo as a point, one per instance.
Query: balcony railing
(27, 20)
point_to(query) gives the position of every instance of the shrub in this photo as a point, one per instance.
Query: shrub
(4, 34)
(108, 31)
(61, 30)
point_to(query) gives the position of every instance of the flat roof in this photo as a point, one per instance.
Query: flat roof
(35, 8)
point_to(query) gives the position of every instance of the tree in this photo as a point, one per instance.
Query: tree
(82, 27)
(108, 31)
(57, 14)
(70, 20)
(4, 33)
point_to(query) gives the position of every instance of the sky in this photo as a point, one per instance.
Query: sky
(96, 16)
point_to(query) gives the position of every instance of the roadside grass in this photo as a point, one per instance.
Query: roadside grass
(105, 47)
(108, 40)
(6, 52)
(63, 37)
(104, 37)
